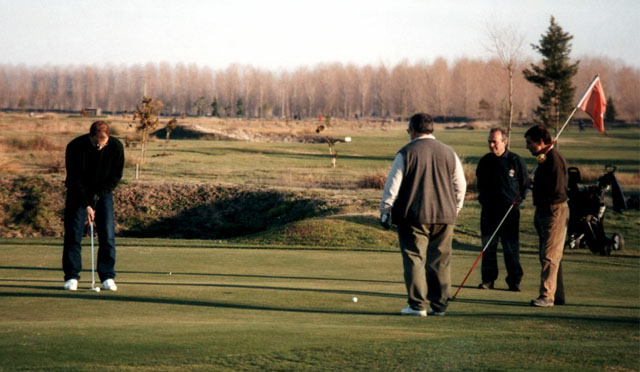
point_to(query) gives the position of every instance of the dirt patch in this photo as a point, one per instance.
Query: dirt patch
(194, 131)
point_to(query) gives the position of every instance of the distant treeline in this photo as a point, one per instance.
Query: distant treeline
(466, 88)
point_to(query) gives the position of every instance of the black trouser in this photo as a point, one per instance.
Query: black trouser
(509, 236)
(75, 218)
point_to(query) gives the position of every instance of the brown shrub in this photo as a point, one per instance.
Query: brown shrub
(37, 143)
(373, 181)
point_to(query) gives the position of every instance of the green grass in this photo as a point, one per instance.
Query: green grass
(231, 309)
(280, 300)
(298, 165)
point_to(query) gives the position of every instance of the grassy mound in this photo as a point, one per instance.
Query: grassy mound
(341, 232)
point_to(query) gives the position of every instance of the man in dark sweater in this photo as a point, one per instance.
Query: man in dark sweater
(500, 175)
(94, 164)
(551, 215)
(423, 194)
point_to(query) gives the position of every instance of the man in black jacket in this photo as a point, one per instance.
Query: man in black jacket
(423, 194)
(501, 175)
(94, 164)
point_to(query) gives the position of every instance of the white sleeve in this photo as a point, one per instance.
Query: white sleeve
(459, 184)
(392, 186)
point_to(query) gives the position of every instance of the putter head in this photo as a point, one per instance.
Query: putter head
(95, 289)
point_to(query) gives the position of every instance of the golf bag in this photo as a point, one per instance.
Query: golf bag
(587, 212)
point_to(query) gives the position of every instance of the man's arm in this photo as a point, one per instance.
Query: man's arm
(523, 178)
(115, 173)
(74, 182)
(459, 184)
(391, 189)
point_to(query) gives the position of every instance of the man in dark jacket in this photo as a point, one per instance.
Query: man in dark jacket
(94, 164)
(551, 216)
(423, 194)
(500, 175)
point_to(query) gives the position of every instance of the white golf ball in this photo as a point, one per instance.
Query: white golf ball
(169, 272)
(97, 289)
(354, 299)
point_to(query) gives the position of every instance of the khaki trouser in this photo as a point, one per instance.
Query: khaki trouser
(551, 225)
(426, 257)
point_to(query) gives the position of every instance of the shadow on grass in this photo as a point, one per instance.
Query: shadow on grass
(213, 285)
(176, 273)
(223, 305)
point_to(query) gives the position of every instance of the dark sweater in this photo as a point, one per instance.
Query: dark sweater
(551, 181)
(426, 194)
(92, 173)
(500, 179)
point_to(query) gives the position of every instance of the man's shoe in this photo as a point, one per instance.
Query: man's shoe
(109, 285)
(409, 311)
(486, 285)
(435, 313)
(514, 287)
(71, 285)
(542, 302)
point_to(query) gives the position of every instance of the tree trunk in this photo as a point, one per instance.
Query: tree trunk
(510, 106)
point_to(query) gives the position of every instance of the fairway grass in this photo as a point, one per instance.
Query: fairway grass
(201, 306)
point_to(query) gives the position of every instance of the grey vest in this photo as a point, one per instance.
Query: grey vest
(426, 195)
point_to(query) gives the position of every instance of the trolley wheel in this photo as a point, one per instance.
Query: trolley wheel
(618, 242)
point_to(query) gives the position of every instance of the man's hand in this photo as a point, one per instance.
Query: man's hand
(385, 220)
(528, 183)
(91, 215)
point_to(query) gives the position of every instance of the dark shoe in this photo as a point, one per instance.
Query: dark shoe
(514, 287)
(486, 285)
(435, 313)
(542, 302)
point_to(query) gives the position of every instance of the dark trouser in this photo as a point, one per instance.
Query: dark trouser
(509, 236)
(74, 226)
(426, 257)
(551, 224)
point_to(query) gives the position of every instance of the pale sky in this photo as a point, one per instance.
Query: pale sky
(276, 34)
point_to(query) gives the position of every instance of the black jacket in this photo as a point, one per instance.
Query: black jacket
(551, 182)
(92, 173)
(500, 179)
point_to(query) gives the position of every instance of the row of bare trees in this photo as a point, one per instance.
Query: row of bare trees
(471, 88)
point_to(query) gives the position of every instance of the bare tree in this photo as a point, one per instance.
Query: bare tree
(506, 42)
(147, 119)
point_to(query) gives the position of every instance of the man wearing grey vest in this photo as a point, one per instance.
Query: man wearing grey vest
(422, 196)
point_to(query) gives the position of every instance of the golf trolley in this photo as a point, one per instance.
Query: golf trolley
(587, 211)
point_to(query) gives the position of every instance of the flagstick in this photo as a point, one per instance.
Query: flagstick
(515, 200)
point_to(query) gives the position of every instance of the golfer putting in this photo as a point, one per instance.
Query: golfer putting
(94, 163)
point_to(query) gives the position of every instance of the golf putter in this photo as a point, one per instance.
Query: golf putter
(93, 270)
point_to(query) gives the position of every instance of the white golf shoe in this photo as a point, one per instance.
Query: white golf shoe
(71, 285)
(109, 285)
(411, 312)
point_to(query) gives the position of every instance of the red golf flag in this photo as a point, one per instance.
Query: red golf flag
(595, 104)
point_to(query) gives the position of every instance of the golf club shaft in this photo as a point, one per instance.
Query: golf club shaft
(487, 244)
(93, 271)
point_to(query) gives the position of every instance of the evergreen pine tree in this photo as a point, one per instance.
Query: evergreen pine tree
(553, 77)
(214, 107)
(610, 114)
(240, 107)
